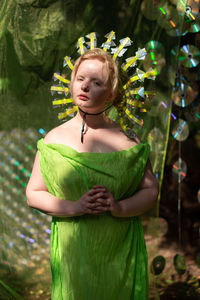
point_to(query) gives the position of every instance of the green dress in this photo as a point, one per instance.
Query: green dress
(95, 257)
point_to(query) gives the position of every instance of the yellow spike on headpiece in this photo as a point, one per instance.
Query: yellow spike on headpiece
(130, 62)
(151, 74)
(80, 45)
(132, 117)
(67, 112)
(136, 91)
(62, 101)
(67, 62)
(61, 78)
(107, 44)
(125, 42)
(59, 89)
(140, 54)
(92, 40)
(135, 103)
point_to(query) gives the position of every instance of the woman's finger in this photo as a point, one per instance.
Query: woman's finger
(103, 202)
(98, 195)
(101, 208)
(91, 192)
(93, 205)
(99, 211)
(99, 187)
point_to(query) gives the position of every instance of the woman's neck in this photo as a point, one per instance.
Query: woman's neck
(93, 121)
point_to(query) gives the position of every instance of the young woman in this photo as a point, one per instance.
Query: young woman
(95, 182)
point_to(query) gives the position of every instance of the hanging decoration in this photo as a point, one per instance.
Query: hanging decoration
(158, 265)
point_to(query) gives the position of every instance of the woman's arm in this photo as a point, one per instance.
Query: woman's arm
(38, 196)
(144, 199)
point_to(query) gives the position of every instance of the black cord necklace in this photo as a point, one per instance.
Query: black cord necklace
(84, 119)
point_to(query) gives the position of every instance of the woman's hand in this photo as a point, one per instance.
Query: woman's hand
(92, 202)
(107, 200)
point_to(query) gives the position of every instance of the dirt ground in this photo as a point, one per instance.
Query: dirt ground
(169, 284)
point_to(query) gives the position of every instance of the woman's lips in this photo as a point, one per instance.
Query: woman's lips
(83, 97)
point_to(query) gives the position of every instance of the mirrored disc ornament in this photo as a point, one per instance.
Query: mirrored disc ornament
(155, 46)
(184, 95)
(179, 170)
(180, 130)
(179, 264)
(159, 106)
(156, 142)
(158, 265)
(189, 56)
(168, 17)
(175, 31)
(157, 227)
(154, 60)
(175, 26)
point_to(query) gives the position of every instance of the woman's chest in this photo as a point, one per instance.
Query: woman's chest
(75, 177)
(94, 141)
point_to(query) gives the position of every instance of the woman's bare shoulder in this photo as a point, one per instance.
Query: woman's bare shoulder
(125, 139)
(129, 133)
(131, 136)
(130, 141)
(56, 134)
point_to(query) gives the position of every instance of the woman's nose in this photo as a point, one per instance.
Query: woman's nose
(85, 86)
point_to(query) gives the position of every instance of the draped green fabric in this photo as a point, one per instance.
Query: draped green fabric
(96, 257)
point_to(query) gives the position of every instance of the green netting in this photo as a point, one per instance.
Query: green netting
(34, 37)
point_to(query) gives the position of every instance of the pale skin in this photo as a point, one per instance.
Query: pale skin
(91, 92)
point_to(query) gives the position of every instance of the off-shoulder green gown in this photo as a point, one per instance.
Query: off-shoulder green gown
(95, 257)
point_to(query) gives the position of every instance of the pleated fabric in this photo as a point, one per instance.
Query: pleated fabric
(95, 257)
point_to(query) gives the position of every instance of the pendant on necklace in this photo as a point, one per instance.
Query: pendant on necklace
(83, 128)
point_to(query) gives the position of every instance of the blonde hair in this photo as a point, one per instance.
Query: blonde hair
(106, 58)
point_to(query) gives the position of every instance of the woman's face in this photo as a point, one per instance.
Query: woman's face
(90, 88)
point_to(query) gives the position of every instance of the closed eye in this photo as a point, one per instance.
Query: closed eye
(80, 78)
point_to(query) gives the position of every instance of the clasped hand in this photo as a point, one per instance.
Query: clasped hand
(99, 199)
